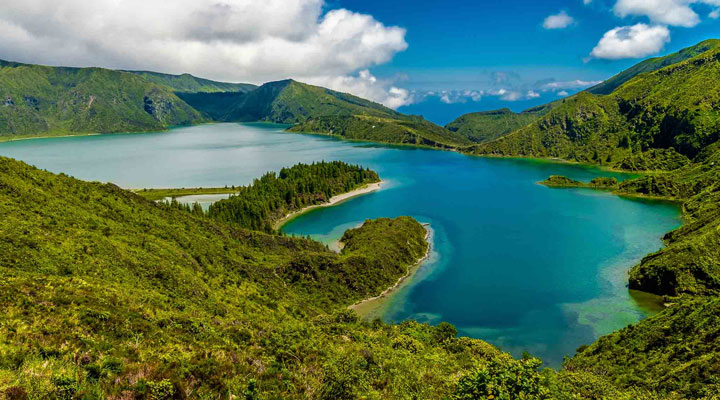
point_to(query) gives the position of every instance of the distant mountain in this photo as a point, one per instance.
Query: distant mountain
(284, 102)
(656, 120)
(488, 125)
(187, 83)
(316, 109)
(39, 100)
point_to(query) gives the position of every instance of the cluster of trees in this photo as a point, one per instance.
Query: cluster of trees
(274, 195)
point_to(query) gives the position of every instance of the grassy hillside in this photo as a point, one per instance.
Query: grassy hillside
(187, 83)
(657, 120)
(38, 100)
(653, 64)
(108, 295)
(489, 125)
(399, 130)
(284, 102)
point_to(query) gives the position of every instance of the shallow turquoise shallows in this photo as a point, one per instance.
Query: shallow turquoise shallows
(523, 266)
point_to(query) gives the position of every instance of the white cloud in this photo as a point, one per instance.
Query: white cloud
(666, 12)
(506, 95)
(558, 21)
(635, 41)
(714, 14)
(234, 40)
(451, 96)
(531, 94)
(367, 86)
(669, 12)
(586, 2)
(562, 93)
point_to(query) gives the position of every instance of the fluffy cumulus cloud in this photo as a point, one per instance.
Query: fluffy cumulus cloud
(635, 41)
(453, 96)
(235, 40)
(367, 86)
(665, 12)
(558, 21)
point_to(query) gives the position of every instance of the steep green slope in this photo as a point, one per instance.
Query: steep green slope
(398, 130)
(653, 64)
(489, 125)
(690, 261)
(584, 128)
(106, 294)
(284, 102)
(656, 120)
(38, 100)
(187, 83)
(674, 353)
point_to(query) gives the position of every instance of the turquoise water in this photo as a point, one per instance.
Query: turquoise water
(523, 266)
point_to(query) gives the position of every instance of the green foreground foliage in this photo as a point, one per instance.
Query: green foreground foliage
(108, 295)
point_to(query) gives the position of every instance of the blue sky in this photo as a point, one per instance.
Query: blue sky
(459, 45)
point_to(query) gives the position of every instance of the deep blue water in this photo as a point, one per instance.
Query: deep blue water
(526, 267)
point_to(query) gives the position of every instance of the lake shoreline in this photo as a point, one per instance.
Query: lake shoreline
(369, 188)
(365, 307)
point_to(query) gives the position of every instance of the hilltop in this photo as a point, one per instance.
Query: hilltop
(187, 83)
(39, 100)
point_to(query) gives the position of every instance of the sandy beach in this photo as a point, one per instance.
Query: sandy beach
(368, 305)
(333, 201)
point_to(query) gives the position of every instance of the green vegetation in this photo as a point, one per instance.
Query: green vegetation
(107, 294)
(656, 120)
(653, 64)
(159, 194)
(489, 125)
(44, 101)
(273, 196)
(675, 352)
(406, 130)
(285, 102)
(41, 101)
(187, 83)
(565, 182)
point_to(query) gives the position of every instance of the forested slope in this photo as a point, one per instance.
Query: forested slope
(39, 101)
(108, 295)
